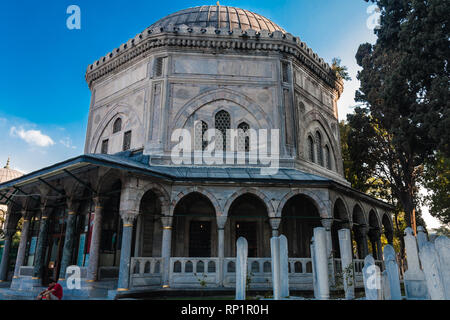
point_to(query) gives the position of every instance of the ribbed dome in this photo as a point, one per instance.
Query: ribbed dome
(219, 17)
(7, 174)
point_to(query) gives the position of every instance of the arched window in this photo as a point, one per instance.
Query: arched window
(200, 140)
(319, 148)
(311, 148)
(117, 127)
(328, 157)
(222, 123)
(243, 137)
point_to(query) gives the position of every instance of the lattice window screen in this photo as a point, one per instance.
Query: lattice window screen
(328, 157)
(105, 146)
(117, 125)
(319, 148)
(127, 141)
(311, 149)
(243, 137)
(200, 139)
(222, 123)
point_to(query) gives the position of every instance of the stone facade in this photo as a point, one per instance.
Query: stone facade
(130, 222)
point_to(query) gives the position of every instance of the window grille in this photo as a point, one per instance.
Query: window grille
(319, 148)
(117, 127)
(105, 146)
(311, 149)
(243, 137)
(158, 67)
(222, 123)
(328, 157)
(127, 141)
(285, 71)
(200, 139)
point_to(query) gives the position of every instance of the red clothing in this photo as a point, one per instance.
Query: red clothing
(58, 291)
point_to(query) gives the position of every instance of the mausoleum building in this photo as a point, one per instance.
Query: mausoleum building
(132, 218)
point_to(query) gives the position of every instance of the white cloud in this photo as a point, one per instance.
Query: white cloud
(67, 142)
(32, 137)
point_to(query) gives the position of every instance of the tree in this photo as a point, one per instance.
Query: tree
(405, 96)
(437, 181)
(340, 71)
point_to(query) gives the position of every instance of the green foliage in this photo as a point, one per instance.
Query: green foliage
(340, 71)
(405, 97)
(442, 231)
(437, 180)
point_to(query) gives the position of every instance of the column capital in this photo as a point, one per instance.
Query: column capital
(221, 221)
(327, 223)
(364, 229)
(128, 217)
(166, 222)
(275, 223)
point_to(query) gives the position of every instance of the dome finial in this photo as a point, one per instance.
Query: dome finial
(7, 164)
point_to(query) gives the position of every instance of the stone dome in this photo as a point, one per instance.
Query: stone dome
(6, 173)
(219, 17)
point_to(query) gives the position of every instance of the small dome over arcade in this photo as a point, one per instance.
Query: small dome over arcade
(6, 173)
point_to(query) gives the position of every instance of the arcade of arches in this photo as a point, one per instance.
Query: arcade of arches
(99, 233)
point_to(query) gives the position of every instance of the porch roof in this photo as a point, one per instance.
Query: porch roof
(139, 163)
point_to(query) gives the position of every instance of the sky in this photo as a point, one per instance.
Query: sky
(44, 99)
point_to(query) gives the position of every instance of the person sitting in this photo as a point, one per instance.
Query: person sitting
(53, 292)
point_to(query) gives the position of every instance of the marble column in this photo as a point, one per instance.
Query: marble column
(327, 223)
(221, 221)
(23, 243)
(364, 230)
(68, 239)
(5, 257)
(345, 246)
(41, 245)
(275, 224)
(94, 251)
(166, 248)
(125, 252)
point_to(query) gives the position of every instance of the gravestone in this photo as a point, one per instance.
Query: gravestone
(320, 263)
(421, 237)
(442, 246)
(430, 265)
(284, 267)
(385, 286)
(345, 246)
(414, 278)
(241, 267)
(372, 279)
(280, 267)
(393, 275)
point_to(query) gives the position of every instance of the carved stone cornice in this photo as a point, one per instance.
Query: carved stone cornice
(203, 38)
